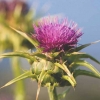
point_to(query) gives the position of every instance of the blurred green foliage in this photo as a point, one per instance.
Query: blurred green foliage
(17, 14)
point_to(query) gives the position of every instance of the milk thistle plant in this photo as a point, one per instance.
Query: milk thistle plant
(57, 58)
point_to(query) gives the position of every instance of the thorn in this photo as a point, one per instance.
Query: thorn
(3, 86)
(96, 41)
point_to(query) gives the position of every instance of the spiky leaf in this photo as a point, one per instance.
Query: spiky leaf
(78, 55)
(85, 72)
(66, 77)
(70, 77)
(88, 65)
(29, 38)
(26, 74)
(85, 45)
(40, 55)
(18, 54)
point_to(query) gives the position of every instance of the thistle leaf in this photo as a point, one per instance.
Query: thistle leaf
(26, 74)
(66, 77)
(40, 55)
(85, 45)
(59, 65)
(83, 55)
(88, 65)
(55, 54)
(70, 77)
(18, 54)
(85, 72)
(29, 38)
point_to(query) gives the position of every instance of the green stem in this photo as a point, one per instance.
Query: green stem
(19, 86)
(52, 93)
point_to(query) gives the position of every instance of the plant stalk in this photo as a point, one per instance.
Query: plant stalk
(52, 93)
(19, 86)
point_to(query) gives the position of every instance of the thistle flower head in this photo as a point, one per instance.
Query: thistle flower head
(53, 34)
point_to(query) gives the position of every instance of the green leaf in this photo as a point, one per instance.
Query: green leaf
(55, 54)
(18, 54)
(40, 55)
(83, 55)
(85, 45)
(88, 65)
(63, 94)
(66, 77)
(64, 67)
(85, 72)
(59, 65)
(26, 74)
(29, 38)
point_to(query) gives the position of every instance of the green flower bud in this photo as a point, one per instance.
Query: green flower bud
(41, 65)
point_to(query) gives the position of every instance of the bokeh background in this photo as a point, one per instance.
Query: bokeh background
(86, 13)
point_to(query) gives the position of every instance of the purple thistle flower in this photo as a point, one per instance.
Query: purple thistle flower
(7, 7)
(53, 34)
